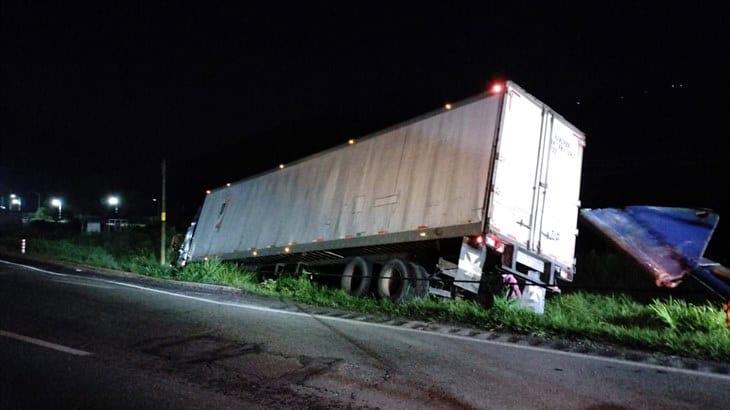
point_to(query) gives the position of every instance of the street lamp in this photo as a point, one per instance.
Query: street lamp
(113, 201)
(15, 201)
(58, 204)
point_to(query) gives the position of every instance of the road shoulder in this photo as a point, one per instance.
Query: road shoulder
(230, 295)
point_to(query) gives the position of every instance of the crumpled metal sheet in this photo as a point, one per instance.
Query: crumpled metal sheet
(667, 242)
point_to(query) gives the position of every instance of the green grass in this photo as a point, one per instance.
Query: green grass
(666, 325)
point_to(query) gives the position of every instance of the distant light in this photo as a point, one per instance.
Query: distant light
(281, 166)
(447, 106)
(286, 250)
(496, 88)
(12, 196)
(56, 202)
(205, 258)
(228, 184)
(113, 200)
(480, 239)
(254, 253)
(207, 192)
(351, 141)
(14, 201)
(154, 199)
(422, 234)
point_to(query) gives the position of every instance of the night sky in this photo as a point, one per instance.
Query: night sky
(92, 98)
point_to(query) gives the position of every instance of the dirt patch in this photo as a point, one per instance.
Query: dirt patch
(242, 369)
(197, 349)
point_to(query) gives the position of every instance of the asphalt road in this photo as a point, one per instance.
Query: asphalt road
(77, 341)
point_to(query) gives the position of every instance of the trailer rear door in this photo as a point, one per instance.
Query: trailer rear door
(536, 182)
(515, 169)
(561, 193)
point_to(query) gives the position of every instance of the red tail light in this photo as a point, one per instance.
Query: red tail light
(496, 88)
(495, 243)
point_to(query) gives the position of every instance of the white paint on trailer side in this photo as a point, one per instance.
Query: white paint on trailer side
(432, 172)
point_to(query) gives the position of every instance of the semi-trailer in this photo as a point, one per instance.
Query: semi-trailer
(437, 204)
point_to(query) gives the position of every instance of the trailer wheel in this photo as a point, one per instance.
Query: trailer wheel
(395, 281)
(420, 281)
(357, 276)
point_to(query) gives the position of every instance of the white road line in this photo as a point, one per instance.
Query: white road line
(34, 268)
(43, 343)
(398, 328)
(75, 282)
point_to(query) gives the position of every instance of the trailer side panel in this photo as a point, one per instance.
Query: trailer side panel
(429, 173)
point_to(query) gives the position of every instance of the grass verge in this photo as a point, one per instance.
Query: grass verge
(667, 325)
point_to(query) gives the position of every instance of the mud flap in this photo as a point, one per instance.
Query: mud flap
(471, 263)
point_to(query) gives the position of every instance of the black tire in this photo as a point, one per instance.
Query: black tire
(395, 281)
(357, 276)
(420, 281)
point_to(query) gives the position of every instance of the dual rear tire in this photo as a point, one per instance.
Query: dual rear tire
(398, 280)
(357, 276)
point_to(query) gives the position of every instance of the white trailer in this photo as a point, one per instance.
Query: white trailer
(489, 184)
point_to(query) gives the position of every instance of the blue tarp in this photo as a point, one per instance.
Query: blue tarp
(668, 242)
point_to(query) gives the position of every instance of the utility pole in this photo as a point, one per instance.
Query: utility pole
(163, 215)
